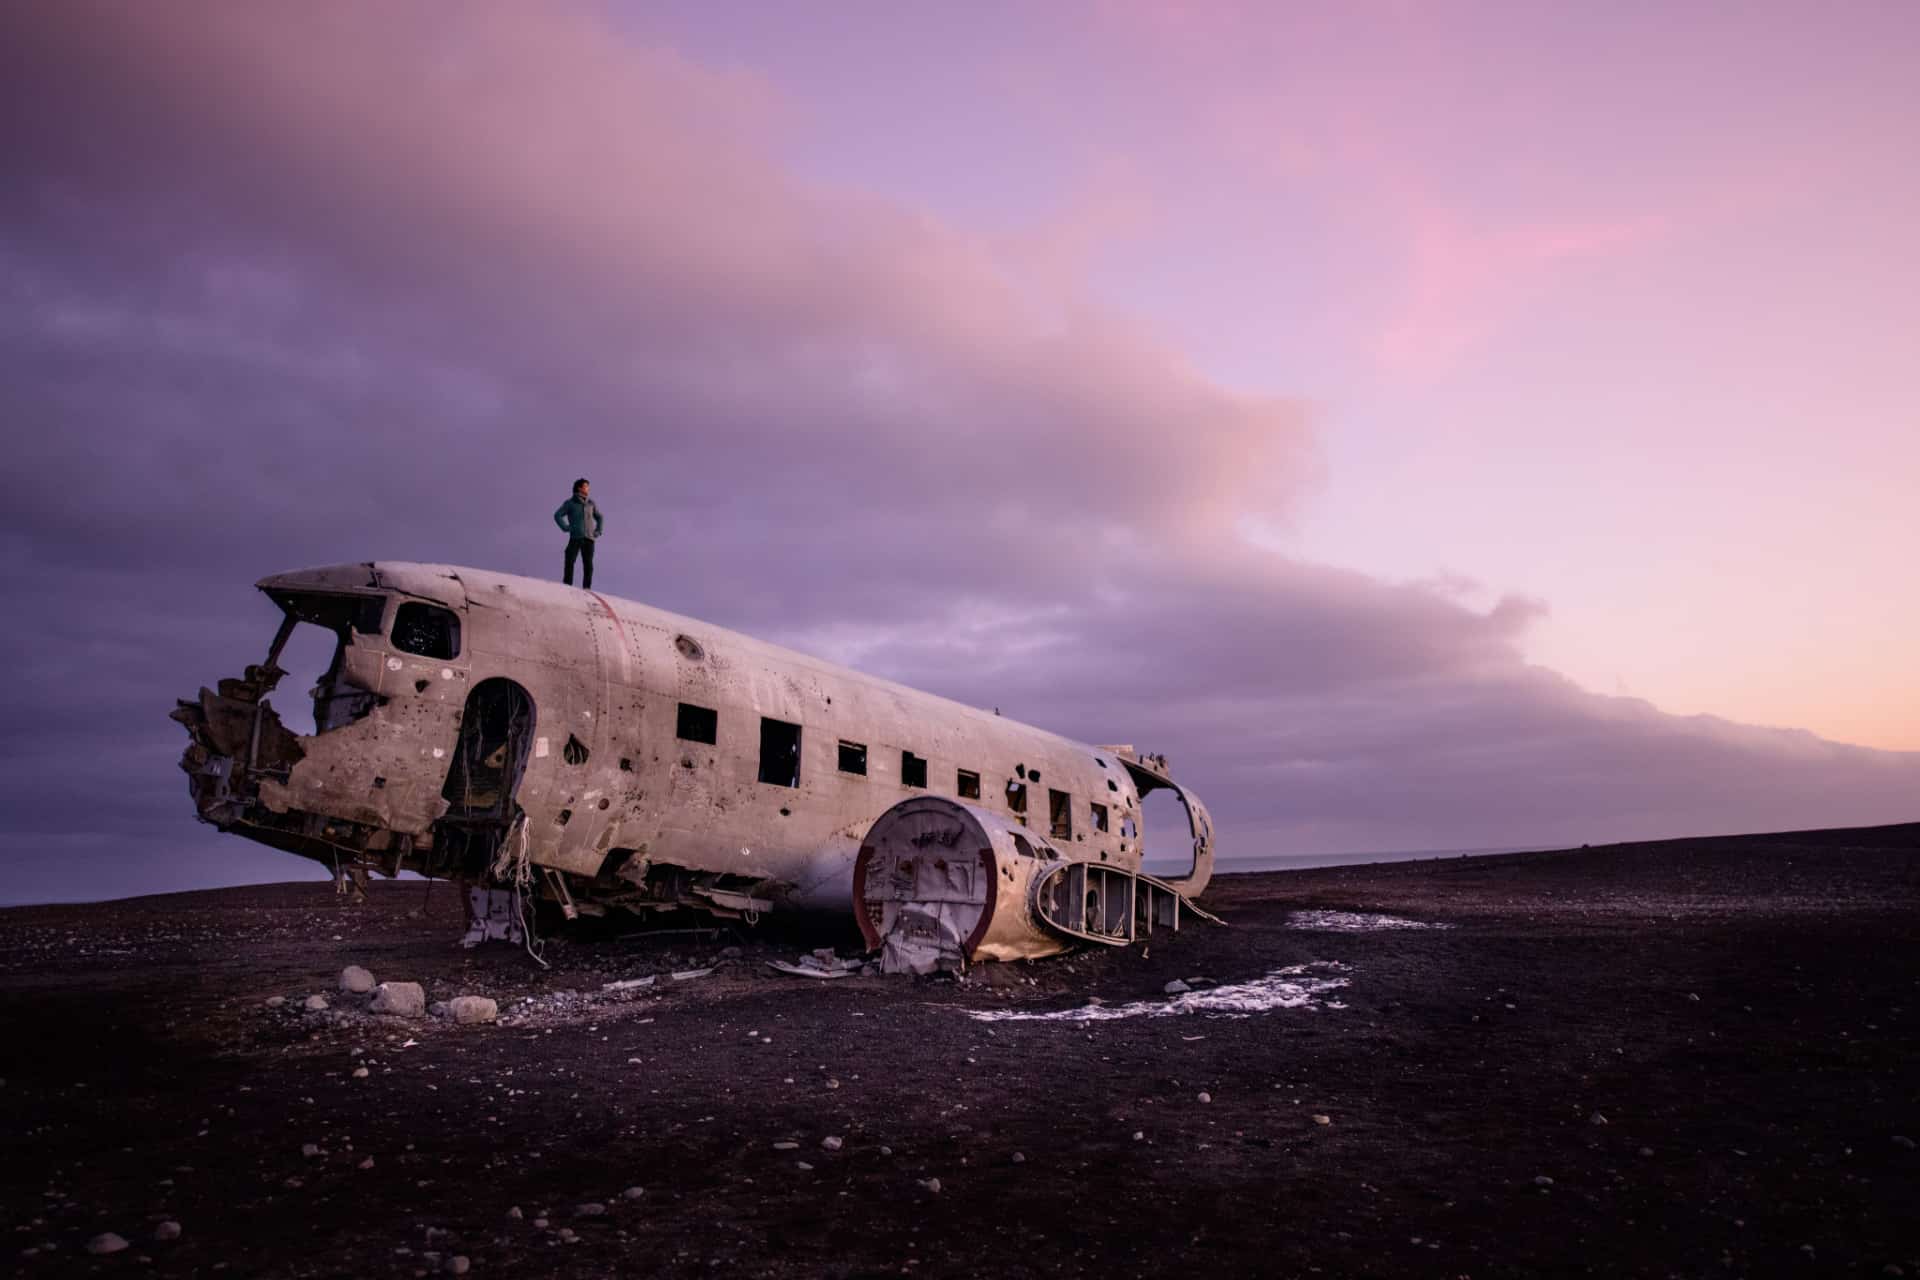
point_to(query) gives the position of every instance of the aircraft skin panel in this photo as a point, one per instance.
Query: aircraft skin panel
(616, 787)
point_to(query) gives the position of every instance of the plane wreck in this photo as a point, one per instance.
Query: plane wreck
(544, 744)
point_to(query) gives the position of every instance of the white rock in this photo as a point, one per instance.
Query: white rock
(1177, 988)
(1543, 1181)
(1596, 1119)
(1019, 1158)
(831, 1143)
(274, 1002)
(356, 980)
(1320, 1119)
(316, 1003)
(402, 999)
(458, 1265)
(1204, 1096)
(931, 1184)
(786, 1146)
(360, 1073)
(591, 1209)
(471, 1009)
(168, 1230)
(106, 1242)
(634, 1193)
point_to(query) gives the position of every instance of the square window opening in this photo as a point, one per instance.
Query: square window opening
(426, 630)
(697, 724)
(1060, 815)
(969, 785)
(779, 753)
(853, 758)
(1016, 796)
(1099, 817)
(913, 770)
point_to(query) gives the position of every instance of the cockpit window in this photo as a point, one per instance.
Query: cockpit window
(426, 629)
(334, 612)
(299, 650)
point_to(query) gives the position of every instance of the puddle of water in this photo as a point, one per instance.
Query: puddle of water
(1298, 986)
(1355, 922)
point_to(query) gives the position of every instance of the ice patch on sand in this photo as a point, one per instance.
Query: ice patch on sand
(1298, 986)
(1356, 922)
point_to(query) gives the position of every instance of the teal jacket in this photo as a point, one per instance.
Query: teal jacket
(579, 518)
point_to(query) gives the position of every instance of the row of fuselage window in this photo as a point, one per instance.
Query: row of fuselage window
(780, 767)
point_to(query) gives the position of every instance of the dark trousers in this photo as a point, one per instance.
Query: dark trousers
(583, 548)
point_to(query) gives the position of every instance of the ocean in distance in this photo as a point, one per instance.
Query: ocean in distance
(1302, 861)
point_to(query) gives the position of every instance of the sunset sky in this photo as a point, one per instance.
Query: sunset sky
(1432, 425)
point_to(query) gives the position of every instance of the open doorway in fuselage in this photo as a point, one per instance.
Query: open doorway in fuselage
(496, 733)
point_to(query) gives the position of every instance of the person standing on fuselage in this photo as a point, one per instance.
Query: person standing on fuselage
(580, 520)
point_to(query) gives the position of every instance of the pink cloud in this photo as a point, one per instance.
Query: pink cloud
(1462, 281)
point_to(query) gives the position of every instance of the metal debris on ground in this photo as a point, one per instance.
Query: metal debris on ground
(821, 963)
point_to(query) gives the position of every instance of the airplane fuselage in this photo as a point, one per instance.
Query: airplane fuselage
(481, 725)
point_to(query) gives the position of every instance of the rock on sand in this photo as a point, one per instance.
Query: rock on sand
(469, 1009)
(402, 999)
(356, 980)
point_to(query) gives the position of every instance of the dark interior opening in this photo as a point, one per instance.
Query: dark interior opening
(969, 785)
(426, 630)
(1059, 815)
(779, 753)
(853, 758)
(697, 724)
(913, 770)
(1099, 817)
(1017, 797)
(496, 733)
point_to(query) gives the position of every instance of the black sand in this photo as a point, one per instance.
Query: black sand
(1744, 1013)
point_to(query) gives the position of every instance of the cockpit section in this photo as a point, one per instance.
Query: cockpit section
(358, 785)
(308, 617)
